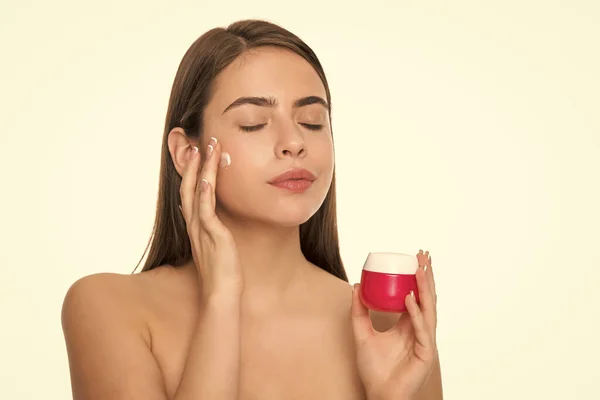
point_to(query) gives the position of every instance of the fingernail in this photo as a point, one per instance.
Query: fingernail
(203, 185)
(194, 151)
(425, 268)
(225, 160)
(412, 294)
(213, 140)
(209, 150)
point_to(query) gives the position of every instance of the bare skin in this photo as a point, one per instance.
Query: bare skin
(131, 336)
(302, 349)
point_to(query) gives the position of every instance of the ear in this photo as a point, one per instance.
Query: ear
(180, 148)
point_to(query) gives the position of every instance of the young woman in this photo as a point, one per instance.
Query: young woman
(243, 294)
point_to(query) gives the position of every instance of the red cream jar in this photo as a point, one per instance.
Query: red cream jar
(386, 280)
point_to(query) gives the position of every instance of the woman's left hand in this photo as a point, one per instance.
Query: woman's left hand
(397, 363)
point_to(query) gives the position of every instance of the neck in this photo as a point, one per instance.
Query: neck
(270, 255)
(271, 259)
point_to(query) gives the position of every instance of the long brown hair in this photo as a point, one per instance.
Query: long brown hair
(203, 61)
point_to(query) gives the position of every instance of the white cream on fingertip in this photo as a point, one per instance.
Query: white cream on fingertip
(225, 160)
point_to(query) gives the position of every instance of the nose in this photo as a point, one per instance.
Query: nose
(290, 144)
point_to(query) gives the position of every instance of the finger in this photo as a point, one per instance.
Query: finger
(361, 321)
(418, 321)
(210, 168)
(426, 300)
(199, 187)
(206, 189)
(430, 277)
(203, 196)
(188, 184)
(427, 268)
(424, 260)
(421, 258)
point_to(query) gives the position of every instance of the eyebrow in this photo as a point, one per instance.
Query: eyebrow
(272, 102)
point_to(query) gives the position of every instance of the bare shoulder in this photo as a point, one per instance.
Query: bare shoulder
(97, 284)
(97, 296)
(104, 319)
(133, 297)
(330, 291)
(117, 297)
(339, 294)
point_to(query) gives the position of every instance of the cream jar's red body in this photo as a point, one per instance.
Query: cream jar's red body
(386, 280)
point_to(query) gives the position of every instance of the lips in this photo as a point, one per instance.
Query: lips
(296, 180)
(295, 174)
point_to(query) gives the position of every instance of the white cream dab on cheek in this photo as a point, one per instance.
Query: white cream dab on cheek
(225, 160)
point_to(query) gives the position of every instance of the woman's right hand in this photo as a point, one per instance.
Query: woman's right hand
(213, 246)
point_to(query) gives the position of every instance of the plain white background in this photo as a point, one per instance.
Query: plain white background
(469, 128)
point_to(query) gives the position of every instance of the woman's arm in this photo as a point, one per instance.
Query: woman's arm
(403, 362)
(212, 367)
(432, 389)
(109, 348)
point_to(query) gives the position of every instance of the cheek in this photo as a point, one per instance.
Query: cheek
(236, 181)
(247, 161)
(233, 185)
(323, 154)
(322, 159)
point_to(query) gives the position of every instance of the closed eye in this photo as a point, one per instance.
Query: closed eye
(313, 127)
(254, 128)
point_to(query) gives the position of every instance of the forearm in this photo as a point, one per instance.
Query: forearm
(431, 390)
(211, 370)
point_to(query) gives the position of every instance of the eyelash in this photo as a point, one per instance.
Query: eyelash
(255, 128)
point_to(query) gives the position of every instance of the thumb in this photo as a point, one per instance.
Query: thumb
(361, 321)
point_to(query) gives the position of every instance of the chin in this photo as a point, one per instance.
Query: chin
(279, 210)
(286, 213)
(290, 219)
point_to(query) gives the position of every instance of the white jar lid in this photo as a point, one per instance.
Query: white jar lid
(391, 263)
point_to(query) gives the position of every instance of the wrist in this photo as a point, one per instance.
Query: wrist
(389, 396)
(222, 300)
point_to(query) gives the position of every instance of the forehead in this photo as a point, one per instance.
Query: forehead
(267, 72)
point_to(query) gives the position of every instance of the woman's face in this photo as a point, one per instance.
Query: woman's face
(291, 131)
